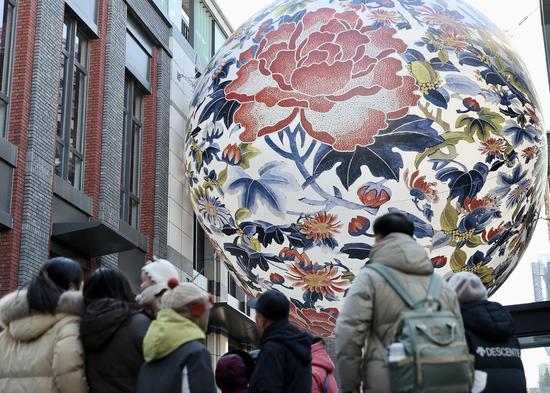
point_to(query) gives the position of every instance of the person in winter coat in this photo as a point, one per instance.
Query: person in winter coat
(368, 321)
(154, 278)
(490, 335)
(233, 372)
(175, 355)
(40, 349)
(112, 332)
(284, 362)
(322, 369)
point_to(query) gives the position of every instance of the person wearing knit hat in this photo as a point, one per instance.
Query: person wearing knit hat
(154, 277)
(490, 334)
(176, 359)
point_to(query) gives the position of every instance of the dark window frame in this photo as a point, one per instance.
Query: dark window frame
(10, 49)
(199, 238)
(131, 171)
(69, 67)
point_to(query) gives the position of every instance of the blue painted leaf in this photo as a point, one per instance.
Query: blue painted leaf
(219, 107)
(471, 59)
(464, 184)
(462, 85)
(421, 228)
(438, 65)
(411, 55)
(438, 97)
(410, 133)
(492, 77)
(357, 250)
(269, 188)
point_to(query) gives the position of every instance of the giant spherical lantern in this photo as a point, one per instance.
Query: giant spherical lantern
(316, 117)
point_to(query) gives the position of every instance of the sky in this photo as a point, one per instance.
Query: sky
(521, 22)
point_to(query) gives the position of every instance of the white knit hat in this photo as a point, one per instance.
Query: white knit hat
(468, 287)
(179, 298)
(160, 271)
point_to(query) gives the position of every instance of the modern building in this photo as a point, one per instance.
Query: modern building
(84, 131)
(94, 98)
(199, 30)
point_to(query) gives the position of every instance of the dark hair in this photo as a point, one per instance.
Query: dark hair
(108, 283)
(393, 223)
(318, 339)
(54, 278)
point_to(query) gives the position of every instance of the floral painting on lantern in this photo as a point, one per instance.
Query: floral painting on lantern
(318, 116)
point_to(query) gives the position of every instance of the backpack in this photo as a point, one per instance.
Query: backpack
(437, 357)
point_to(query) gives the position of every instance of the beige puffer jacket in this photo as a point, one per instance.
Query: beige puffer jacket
(41, 353)
(368, 321)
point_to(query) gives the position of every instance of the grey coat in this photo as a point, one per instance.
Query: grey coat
(368, 321)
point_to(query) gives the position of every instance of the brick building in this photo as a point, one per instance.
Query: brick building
(93, 106)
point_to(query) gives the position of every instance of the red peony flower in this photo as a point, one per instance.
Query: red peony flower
(374, 195)
(232, 154)
(439, 261)
(358, 226)
(420, 188)
(319, 323)
(330, 71)
(471, 104)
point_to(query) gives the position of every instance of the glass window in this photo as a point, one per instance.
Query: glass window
(203, 32)
(7, 36)
(131, 153)
(219, 38)
(71, 111)
(137, 59)
(198, 247)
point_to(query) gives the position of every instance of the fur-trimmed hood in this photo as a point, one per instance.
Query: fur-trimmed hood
(26, 325)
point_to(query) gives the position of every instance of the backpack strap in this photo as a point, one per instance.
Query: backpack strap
(387, 274)
(434, 289)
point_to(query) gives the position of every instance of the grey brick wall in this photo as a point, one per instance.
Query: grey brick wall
(152, 20)
(162, 152)
(37, 202)
(113, 115)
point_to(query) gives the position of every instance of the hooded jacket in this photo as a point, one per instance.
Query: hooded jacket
(233, 372)
(112, 333)
(41, 352)
(321, 369)
(490, 335)
(284, 363)
(176, 358)
(369, 316)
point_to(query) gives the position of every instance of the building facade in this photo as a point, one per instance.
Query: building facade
(94, 99)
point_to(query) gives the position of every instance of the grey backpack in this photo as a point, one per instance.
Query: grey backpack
(437, 357)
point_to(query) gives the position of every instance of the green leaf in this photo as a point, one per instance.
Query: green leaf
(474, 241)
(248, 152)
(436, 151)
(443, 56)
(463, 120)
(458, 260)
(348, 276)
(423, 71)
(222, 177)
(241, 214)
(449, 218)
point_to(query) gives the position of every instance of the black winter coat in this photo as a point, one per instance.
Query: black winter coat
(284, 363)
(112, 333)
(490, 335)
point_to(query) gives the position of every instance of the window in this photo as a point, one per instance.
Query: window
(219, 38)
(131, 153)
(7, 36)
(71, 112)
(198, 247)
(203, 32)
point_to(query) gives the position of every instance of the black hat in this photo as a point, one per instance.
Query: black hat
(272, 304)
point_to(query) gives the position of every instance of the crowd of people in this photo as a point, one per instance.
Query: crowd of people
(401, 329)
